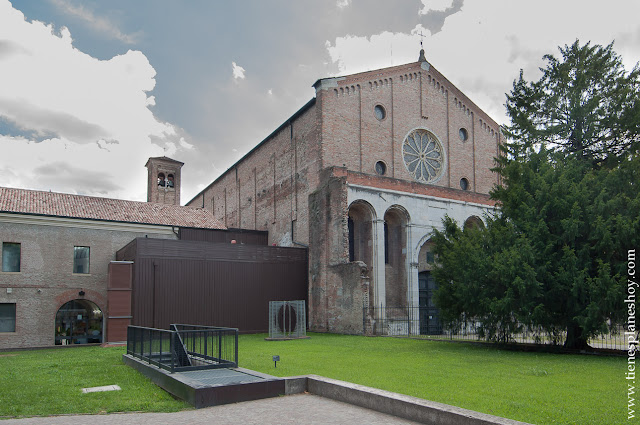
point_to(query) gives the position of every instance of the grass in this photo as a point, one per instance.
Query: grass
(531, 387)
(48, 382)
(538, 388)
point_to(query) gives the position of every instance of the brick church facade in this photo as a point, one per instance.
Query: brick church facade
(361, 175)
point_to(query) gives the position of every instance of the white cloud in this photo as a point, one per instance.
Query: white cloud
(343, 3)
(97, 23)
(357, 54)
(238, 71)
(86, 118)
(185, 144)
(435, 5)
(482, 48)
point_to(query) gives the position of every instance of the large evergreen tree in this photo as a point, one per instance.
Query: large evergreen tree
(553, 255)
(585, 105)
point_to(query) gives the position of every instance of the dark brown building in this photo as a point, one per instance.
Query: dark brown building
(61, 282)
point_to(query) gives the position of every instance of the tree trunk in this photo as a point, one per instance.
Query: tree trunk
(575, 339)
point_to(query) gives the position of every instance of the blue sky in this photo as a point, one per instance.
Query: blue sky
(90, 89)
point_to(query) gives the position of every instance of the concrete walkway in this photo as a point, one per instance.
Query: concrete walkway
(292, 409)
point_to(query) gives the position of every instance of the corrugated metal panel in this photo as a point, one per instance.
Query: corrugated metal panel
(128, 252)
(214, 283)
(153, 248)
(246, 237)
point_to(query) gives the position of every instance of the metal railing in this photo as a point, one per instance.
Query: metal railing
(184, 347)
(418, 322)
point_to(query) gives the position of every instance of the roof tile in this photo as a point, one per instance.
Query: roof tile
(94, 208)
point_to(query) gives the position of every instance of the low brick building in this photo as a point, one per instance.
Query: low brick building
(57, 251)
(362, 174)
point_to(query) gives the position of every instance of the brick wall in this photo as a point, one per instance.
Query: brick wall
(46, 282)
(269, 187)
(165, 194)
(299, 175)
(412, 97)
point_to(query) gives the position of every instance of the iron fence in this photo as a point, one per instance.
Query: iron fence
(423, 323)
(184, 347)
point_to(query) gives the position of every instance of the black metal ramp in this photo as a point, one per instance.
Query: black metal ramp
(211, 387)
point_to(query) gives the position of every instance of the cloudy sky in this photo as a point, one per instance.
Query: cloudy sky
(90, 89)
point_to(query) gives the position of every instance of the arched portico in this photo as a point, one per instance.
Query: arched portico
(361, 217)
(473, 222)
(428, 314)
(409, 220)
(396, 220)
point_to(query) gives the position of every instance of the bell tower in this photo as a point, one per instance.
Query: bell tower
(163, 182)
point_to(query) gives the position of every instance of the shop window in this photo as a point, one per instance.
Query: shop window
(79, 322)
(10, 257)
(81, 259)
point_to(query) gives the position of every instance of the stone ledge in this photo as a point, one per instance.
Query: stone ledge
(403, 406)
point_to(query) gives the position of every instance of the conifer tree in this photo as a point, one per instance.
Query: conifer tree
(553, 255)
(585, 105)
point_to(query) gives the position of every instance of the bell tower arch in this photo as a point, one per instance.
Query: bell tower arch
(163, 182)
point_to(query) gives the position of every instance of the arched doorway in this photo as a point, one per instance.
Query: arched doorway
(360, 218)
(359, 226)
(428, 313)
(78, 322)
(395, 257)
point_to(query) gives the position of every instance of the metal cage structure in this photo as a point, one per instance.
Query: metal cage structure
(287, 319)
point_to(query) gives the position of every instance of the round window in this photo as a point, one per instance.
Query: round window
(464, 184)
(380, 112)
(381, 168)
(423, 156)
(464, 135)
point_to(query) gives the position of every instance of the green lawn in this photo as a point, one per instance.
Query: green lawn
(531, 387)
(48, 382)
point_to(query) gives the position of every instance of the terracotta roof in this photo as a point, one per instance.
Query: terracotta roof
(93, 208)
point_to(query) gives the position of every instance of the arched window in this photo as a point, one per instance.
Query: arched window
(170, 180)
(78, 322)
(473, 222)
(161, 179)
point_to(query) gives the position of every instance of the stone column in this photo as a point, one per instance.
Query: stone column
(378, 264)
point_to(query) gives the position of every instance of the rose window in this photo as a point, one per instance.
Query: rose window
(423, 156)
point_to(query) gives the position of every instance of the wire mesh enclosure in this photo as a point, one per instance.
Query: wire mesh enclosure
(287, 319)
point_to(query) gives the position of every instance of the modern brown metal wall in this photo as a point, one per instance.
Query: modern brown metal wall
(241, 236)
(218, 284)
